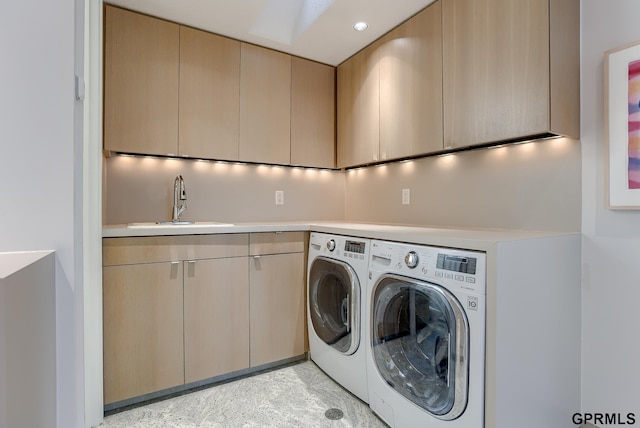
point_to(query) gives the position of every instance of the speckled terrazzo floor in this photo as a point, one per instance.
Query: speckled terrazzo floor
(295, 396)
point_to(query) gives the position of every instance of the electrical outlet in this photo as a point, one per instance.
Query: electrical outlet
(406, 196)
(279, 197)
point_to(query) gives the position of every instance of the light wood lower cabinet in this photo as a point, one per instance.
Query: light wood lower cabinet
(143, 329)
(277, 285)
(188, 308)
(216, 317)
(277, 307)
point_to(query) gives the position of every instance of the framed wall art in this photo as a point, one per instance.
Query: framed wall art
(622, 126)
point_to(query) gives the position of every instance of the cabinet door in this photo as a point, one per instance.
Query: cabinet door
(143, 329)
(312, 114)
(359, 108)
(496, 70)
(209, 95)
(411, 87)
(140, 83)
(216, 317)
(277, 307)
(265, 105)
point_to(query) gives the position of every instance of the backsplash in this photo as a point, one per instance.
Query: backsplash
(533, 186)
(140, 189)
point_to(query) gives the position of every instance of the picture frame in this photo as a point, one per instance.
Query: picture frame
(622, 126)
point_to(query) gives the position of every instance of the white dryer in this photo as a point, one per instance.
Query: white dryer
(426, 335)
(337, 270)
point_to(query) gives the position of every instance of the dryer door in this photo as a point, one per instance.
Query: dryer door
(334, 304)
(420, 344)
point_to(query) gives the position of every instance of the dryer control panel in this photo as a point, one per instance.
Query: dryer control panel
(462, 269)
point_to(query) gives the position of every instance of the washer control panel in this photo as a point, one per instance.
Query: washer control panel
(345, 248)
(463, 269)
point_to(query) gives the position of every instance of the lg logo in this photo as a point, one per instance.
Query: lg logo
(472, 303)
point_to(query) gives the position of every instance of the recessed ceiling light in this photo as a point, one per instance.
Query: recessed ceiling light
(360, 26)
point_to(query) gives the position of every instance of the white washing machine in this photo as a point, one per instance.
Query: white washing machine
(426, 335)
(337, 272)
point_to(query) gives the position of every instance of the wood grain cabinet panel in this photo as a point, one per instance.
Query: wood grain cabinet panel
(277, 307)
(209, 110)
(501, 80)
(358, 108)
(276, 242)
(277, 296)
(265, 105)
(143, 329)
(216, 317)
(140, 83)
(411, 86)
(150, 249)
(312, 114)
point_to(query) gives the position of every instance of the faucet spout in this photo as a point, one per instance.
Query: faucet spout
(179, 198)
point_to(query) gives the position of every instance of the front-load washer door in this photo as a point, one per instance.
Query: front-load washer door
(334, 304)
(420, 344)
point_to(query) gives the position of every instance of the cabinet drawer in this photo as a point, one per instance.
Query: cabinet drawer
(276, 243)
(150, 249)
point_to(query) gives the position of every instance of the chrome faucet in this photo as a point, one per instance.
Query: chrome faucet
(179, 198)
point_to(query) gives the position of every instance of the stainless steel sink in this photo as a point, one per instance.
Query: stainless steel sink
(162, 224)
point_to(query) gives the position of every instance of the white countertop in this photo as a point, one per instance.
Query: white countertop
(11, 263)
(477, 239)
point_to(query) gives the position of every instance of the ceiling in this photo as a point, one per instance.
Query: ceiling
(321, 30)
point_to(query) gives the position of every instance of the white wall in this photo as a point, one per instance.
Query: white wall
(611, 245)
(37, 41)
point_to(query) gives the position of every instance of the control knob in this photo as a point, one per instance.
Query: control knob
(331, 245)
(411, 259)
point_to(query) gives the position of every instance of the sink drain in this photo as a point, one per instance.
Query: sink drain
(334, 414)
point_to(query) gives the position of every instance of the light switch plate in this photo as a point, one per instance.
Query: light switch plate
(279, 197)
(406, 196)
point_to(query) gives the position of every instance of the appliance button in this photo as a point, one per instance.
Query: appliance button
(471, 280)
(411, 259)
(459, 278)
(448, 275)
(331, 245)
(439, 274)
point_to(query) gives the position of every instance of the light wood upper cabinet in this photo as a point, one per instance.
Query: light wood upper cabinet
(209, 95)
(312, 114)
(359, 108)
(216, 317)
(172, 90)
(140, 83)
(390, 94)
(143, 329)
(511, 69)
(265, 105)
(411, 86)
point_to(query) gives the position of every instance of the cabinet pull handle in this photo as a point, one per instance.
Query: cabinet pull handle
(175, 263)
(256, 257)
(191, 261)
